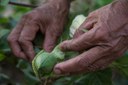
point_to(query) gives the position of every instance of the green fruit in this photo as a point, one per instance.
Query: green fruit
(44, 62)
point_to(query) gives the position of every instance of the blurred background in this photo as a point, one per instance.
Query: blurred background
(14, 71)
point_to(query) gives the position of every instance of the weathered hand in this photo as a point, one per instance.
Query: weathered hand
(48, 18)
(105, 41)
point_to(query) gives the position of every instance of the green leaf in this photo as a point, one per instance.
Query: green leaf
(123, 60)
(96, 78)
(103, 2)
(2, 56)
(3, 20)
(4, 2)
(3, 32)
(122, 65)
(44, 62)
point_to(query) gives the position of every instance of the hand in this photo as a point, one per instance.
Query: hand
(105, 41)
(49, 19)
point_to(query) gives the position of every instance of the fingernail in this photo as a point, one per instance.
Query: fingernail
(57, 71)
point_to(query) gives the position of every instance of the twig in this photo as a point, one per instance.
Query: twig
(46, 81)
(21, 4)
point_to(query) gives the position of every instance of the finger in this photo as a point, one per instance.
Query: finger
(80, 62)
(100, 64)
(26, 37)
(103, 62)
(87, 25)
(18, 52)
(13, 40)
(51, 37)
(87, 40)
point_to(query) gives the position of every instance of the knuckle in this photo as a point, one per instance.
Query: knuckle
(67, 45)
(83, 63)
(31, 15)
(21, 40)
(74, 45)
(31, 18)
(103, 49)
(10, 39)
(71, 45)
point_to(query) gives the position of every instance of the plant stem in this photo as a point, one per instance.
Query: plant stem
(22, 4)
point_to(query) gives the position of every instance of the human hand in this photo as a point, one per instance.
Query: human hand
(105, 41)
(48, 18)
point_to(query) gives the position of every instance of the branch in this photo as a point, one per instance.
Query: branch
(21, 4)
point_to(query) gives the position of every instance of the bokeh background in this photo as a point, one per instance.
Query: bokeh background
(14, 71)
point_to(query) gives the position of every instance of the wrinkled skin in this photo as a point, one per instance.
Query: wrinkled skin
(106, 40)
(48, 18)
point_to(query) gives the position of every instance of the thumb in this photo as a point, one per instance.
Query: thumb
(81, 43)
(80, 62)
